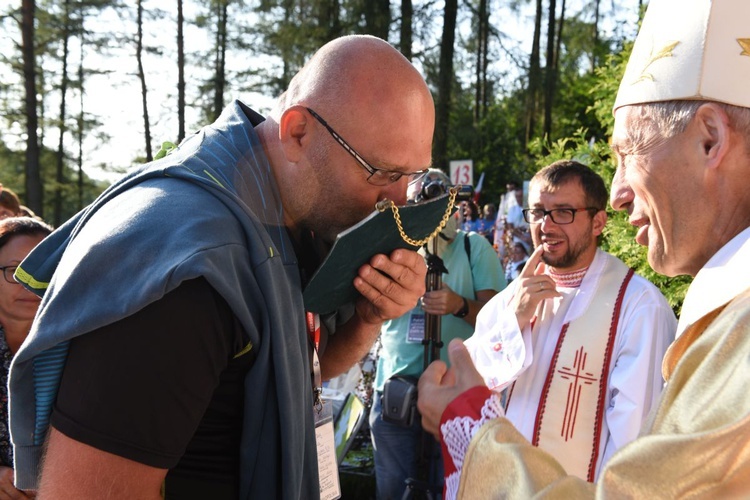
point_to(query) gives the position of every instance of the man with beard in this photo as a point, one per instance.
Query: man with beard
(580, 336)
(174, 302)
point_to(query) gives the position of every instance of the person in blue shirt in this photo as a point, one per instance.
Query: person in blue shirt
(473, 277)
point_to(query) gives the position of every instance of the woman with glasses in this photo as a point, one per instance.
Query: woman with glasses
(18, 235)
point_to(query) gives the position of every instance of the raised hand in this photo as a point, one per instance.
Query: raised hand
(438, 385)
(533, 287)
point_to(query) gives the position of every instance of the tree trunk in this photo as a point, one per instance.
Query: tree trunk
(555, 72)
(558, 47)
(81, 124)
(549, 73)
(378, 17)
(327, 13)
(286, 63)
(486, 61)
(595, 47)
(480, 89)
(34, 191)
(60, 156)
(535, 76)
(406, 32)
(180, 74)
(142, 77)
(221, 52)
(445, 81)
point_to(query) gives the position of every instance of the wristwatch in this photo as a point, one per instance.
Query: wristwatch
(464, 309)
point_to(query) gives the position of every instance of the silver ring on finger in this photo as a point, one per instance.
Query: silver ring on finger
(541, 287)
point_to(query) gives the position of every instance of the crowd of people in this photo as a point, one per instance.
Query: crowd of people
(157, 345)
(505, 228)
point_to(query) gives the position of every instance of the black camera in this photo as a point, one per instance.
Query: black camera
(400, 400)
(432, 189)
(435, 188)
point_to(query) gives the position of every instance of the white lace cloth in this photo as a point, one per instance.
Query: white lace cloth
(457, 434)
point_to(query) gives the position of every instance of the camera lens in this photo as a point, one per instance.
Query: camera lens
(432, 190)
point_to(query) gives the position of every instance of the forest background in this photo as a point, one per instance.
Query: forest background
(517, 84)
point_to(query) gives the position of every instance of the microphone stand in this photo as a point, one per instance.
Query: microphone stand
(427, 452)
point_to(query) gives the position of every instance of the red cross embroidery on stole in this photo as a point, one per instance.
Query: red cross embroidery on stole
(578, 378)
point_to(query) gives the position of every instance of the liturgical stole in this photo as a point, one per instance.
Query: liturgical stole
(571, 407)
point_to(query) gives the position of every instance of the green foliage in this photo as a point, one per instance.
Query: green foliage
(11, 168)
(496, 142)
(498, 137)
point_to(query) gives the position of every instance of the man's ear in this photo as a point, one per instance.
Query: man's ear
(599, 221)
(713, 126)
(294, 132)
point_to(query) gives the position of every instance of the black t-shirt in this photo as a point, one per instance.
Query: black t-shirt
(163, 387)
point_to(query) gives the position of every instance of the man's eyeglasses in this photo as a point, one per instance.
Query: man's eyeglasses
(8, 274)
(378, 176)
(558, 215)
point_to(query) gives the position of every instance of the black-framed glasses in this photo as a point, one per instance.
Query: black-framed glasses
(378, 176)
(8, 272)
(558, 215)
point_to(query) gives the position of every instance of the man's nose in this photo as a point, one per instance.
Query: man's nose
(620, 193)
(396, 191)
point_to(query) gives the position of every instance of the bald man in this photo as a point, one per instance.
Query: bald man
(175, 304)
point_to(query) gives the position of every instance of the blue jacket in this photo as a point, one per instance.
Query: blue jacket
(210, 209)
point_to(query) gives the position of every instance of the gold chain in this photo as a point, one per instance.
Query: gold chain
(418, 243)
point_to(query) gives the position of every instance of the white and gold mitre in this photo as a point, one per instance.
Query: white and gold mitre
(690, 49)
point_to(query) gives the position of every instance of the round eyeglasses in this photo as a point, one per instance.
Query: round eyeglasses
(8, 272)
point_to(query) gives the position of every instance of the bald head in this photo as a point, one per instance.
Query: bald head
(376, 102)
(364, 86)
(353, 70)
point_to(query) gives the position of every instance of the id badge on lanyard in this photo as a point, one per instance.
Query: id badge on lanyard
(328, 471)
